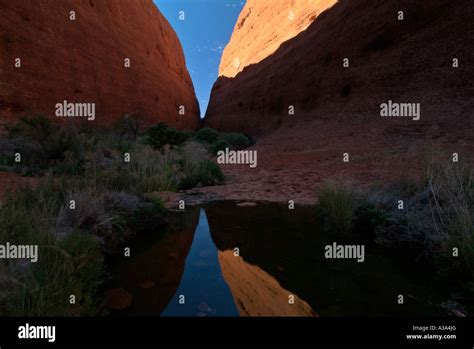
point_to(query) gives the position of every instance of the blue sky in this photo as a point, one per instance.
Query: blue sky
(204, 33)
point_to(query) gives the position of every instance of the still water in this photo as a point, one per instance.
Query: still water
(266, 260)
(202, 283)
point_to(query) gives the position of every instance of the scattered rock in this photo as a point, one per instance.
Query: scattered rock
(204, 307)
(170, 199)
(118, 299)
(454, 308)
(246, 204)
(146, 284)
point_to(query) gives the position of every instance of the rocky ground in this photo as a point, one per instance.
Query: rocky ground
(12, 181)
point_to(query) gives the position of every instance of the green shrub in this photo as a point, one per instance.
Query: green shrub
(42, 145)
(59, 143)
(205, 174)
(35, 128)
(72, 265)
(159, 135)
(112, 142)
(233, 140)
(69, 167)
(28, 210)
(236, 140)
(152, 170)
(131, 125)
(196, 169)
(208, 135)
(368, 219)
(450, 192)
(7, 159)
(149, 217)
(156, 134)
(218, 145)
(53, 140)
(88, 271)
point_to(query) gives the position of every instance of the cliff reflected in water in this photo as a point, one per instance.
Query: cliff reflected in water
(256, 293)
(220, 283)
(278, 269)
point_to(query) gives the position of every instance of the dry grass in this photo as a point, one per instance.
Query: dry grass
(337, 205)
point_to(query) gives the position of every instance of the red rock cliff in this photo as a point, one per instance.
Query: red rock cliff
(408, 61)
(84, 60)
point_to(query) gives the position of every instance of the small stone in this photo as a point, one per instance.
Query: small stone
(453, 308)
(146, 284)
(118, 299)
(204, 307)
(246, 204)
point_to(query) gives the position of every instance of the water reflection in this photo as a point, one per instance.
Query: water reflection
(153, 272)
(281, 255)
(257, 293)
(202, 291)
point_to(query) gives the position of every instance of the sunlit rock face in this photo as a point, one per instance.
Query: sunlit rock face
(261, 28)
(256, 293)
(121, 55)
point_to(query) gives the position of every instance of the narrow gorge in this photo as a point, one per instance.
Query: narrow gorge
(324, 169)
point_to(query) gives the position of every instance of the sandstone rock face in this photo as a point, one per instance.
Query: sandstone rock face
(406, 61)
(83, 61)
(262, 26)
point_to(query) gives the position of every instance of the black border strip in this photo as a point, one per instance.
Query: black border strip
(330, 331)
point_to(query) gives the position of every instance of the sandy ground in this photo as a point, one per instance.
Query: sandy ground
(294, 161)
